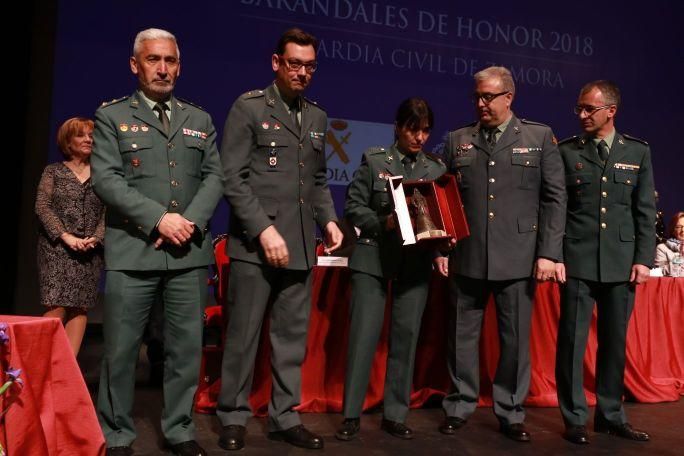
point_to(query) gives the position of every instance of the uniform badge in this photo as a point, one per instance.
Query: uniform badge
(579, 166)
(135, 162)
(265, 125)
(272, 161)
(144, 127)
(620, 141)
(134, 128)
(123, 127)
(276, 126)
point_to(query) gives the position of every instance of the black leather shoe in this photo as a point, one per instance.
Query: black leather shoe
(451, 424)
(232, 437)
(624, 430)
(119, 451)
(298, 436)
(188, 448)
(350, 427)
(516, 431)
(576, 434)
(396, 429)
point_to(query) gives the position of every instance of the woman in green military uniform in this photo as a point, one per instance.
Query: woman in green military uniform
(379, 259)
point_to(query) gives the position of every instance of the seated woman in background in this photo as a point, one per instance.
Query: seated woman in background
(672, 250)
(71, 232)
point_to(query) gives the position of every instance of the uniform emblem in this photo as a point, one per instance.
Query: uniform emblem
(270, 101)
(134, 128)
(276, 126)
(144, 127)
(579, 166)
(620, 141)
(272, 161)
(123, 127)
(135, 162)
(265, 125)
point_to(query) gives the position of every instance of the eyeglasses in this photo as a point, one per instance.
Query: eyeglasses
(487, 97)
(590, 110)
(296, 65)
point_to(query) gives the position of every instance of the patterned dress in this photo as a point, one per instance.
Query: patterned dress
(64, 204)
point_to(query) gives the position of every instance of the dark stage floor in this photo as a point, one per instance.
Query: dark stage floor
(664, 421)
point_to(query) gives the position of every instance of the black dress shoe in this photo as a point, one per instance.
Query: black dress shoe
(451, 424)
(298, 436)
(396, 429)
(516, 431)
(232, 437)
(576, 434)
(624, 430)
(350, 427)
(188, 448)
(119, 451)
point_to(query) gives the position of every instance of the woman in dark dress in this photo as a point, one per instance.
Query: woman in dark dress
(71, 232)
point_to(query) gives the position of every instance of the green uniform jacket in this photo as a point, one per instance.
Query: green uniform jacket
(378, 252)
(140, 173)
(611, 211)
(275, 175)
(514, 200)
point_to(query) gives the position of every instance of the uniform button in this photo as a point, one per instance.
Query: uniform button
(527, 163)
(492, 163)
(301, 201)
(534, 227)
(174, 203)
(301, 165)
(603, 210)
(172, 163)
(301, 146)
(578, 181)
(170, 145)
(604, 194)
(491, 216)
(492, 180)
(604, 179)
(174, 183)
(140, 227)
(491, 197)
(301, 181)
(273, 143)
(134, 146)
(629, 181)
(604, 226)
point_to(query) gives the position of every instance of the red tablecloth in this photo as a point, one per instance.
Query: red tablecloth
(53, 414)
(655, 349)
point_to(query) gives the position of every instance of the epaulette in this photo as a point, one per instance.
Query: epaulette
(635, 139)
(190, 103)
(314, 103)
(376, 150)
(434, 157)
(114, 101)
(570, 139)
(530, 122)
(252, 94)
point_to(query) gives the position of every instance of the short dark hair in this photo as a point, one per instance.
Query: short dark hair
(413, 112)
(610, 90)
(297, 36)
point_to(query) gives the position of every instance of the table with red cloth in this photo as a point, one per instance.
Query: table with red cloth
(53, 413)
(655, 349)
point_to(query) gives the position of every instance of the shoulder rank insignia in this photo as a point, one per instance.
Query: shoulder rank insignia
(114, 101)
(252, 94)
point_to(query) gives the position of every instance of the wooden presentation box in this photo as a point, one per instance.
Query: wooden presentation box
(443, 202)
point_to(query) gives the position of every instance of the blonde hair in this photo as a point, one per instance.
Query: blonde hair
(68, 130)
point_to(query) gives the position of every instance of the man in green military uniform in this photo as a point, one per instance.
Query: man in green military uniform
(378, 259)
(510, 176)
(273, 155)
(608, 248)
(156, 167)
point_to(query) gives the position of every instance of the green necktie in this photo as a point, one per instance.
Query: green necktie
(160, 109)
(603, 151)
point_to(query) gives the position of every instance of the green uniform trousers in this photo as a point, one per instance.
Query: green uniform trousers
(129, 296)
